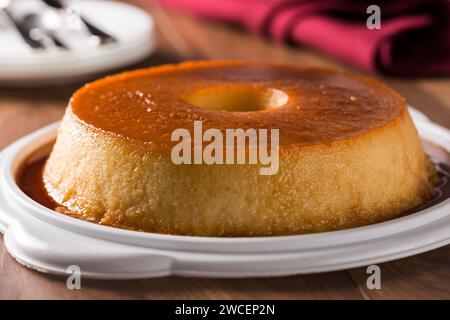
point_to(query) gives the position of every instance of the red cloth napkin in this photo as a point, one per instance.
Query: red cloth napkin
(414, 38)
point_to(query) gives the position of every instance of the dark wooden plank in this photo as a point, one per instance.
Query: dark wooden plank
(423, 276)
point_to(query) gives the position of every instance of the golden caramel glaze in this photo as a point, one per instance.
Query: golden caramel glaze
(323, 105)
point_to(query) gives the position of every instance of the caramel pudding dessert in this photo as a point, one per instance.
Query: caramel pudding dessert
(349, 154)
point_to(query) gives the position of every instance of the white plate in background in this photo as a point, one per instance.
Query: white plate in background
(23, 66)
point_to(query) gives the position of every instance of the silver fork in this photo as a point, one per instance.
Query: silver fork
(102, 36)
(21, 28)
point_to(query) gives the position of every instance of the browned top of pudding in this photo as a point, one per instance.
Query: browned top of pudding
(308, 105)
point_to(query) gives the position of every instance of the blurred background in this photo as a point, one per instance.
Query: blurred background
(48, 49)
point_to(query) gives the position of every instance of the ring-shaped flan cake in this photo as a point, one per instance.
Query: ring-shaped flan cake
(349, 154)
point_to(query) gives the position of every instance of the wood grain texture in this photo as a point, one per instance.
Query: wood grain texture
(182, 37)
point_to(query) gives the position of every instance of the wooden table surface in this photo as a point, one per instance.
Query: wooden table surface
(182, 37)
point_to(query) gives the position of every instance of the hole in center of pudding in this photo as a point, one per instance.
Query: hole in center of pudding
(238, 97)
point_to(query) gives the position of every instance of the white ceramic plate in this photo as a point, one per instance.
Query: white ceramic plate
(41, 239)
(22, 66)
